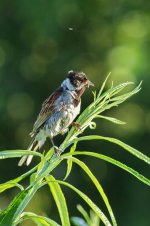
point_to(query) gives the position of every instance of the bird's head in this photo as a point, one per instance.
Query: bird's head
(76, 81)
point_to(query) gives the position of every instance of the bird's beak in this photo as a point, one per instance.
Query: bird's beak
(89, 83)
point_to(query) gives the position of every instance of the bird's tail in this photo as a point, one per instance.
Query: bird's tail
(27, 159)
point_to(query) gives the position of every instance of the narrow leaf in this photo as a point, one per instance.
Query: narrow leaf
(14, 182)
(9, 185)
(128, 148)
(17, 206)
(114, 162)
(7, 216)
(97, 185)
(59, 199)
(39, 220)
(69, 161)
(17, 153)
(103, 85)
(114, 120)
(84, 214)
(49, 154)
(93, 206)
(94, 219)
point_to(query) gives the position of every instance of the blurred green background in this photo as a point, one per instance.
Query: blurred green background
(40, 40)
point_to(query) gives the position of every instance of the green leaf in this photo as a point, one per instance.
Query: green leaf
(43, 165)
(48, 167)
(59, 199)
(93, 206)
(17, 206)
(94, 219)
(103, 85)
(17, 153)
(97, 185)
(114, 162)
(14, 182)
(84, 214)
(9, 185)
(39, 220)
(69, 161)
(33, 178)
(49, 154)
(94, 95)
(7, 216)
(114, 120)
(128, 148)
(11, 214)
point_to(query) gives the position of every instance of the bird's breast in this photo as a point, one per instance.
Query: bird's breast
(65, 111)
(67, 102)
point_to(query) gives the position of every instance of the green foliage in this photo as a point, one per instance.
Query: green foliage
(39, 220)
(59, 199)
(41, 174)
(89, 220)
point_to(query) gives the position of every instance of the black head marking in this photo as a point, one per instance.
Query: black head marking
(77, 78)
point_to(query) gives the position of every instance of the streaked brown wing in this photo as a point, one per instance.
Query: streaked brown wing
(46, 111)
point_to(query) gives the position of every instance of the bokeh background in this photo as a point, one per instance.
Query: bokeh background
(40, 40)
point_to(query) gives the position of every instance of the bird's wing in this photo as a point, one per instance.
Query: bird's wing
(46, 111)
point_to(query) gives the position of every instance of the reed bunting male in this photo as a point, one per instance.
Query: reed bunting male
(58, 111)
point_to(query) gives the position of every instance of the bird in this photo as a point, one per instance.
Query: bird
(58, 112)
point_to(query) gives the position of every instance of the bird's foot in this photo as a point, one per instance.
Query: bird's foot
(57, 151)
(77, 126)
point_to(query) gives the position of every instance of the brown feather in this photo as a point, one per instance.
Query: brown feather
(46, 111)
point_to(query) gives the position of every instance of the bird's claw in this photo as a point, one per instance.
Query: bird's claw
(77, 126)
(57, 151)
